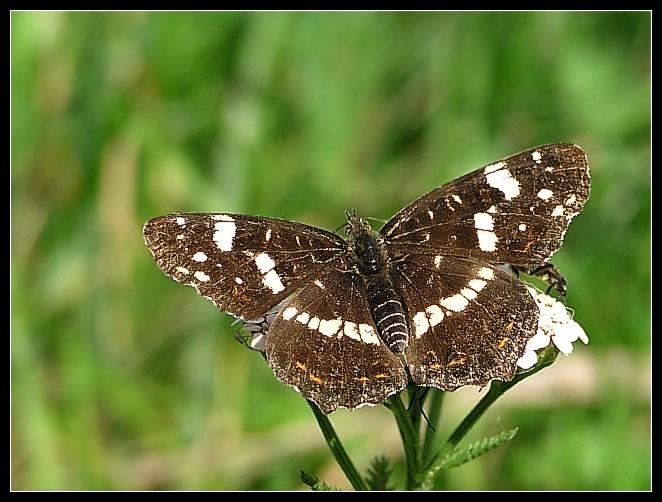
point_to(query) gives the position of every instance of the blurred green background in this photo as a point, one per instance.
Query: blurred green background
(122, 379)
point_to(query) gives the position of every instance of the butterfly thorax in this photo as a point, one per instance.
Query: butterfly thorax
(371, 262)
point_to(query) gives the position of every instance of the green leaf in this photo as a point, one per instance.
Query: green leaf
(379, 474)
(315, 483)
(461, 456)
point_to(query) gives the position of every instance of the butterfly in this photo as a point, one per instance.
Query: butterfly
(425, 299)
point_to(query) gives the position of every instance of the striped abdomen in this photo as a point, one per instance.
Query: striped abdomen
(387, 312)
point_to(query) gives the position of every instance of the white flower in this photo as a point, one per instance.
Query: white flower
(554, 325)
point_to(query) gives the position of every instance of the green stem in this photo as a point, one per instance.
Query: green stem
(338, 450)
(496, 391)
(417, 396)
(409, 438)
(434, 412)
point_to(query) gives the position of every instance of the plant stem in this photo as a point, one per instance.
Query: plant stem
(338, 450)
(434, 412)
(409, 438)
(417, 396)
(496, 390)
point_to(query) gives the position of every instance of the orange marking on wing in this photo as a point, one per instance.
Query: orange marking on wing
(301, 366)
(361, 379)
(458, 361)
(510, 326)
(315, 378)
(381, 375)
(503, 342)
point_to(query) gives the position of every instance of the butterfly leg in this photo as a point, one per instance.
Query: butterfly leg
(548, 273)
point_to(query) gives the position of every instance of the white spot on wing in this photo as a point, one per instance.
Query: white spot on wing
(181, 221)
(437, 261)
(570, 200)
(484, 224)
(456, 303)
(200, 257)
(180, 237)
(558, 211)
(272, 281)
(483, 221)
(303, 318)
(225, 230)
(368, 334)
(289, 313)
(536, 156)
(522, 226)
(431, 215)
(238, 280)
(477, 285)
(486, 273)
(268, 235)
(457, 199)
(545, 194)
(421, 324)
(314, 323)
(351, 330)
(435, 314)
(487, 240)
(182, 270)
(319, 284)
(504, 182)
(469, 293)
(331, 327)
(264, 263)
(491, 209)
(201, 276)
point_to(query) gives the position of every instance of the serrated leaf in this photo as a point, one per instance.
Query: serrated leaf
(379, 474)
(461, 456)
(315, 483)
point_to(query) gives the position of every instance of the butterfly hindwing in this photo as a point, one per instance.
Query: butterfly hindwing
(513, 211)
(244, 264)
(469, 321)
(324, 343)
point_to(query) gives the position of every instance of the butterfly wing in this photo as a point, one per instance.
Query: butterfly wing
(469, 321)
(325, 344)
(244, 264)
(514, 211)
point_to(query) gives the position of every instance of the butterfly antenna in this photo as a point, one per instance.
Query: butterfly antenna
(378, 220)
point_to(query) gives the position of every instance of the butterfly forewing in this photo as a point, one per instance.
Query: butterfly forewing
(513, 211)
(469, 321)
(245, 264)
(325, 344)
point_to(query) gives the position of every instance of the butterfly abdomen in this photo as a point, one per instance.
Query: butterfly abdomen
(388, 313)
(371, 260)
